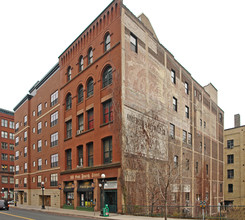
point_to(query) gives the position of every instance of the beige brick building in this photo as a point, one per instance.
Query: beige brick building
(234, 158)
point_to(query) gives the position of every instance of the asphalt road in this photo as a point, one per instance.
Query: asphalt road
(21, 214)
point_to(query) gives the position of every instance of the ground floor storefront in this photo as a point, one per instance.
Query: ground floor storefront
(91, 190)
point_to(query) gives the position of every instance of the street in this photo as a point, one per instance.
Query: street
(15, 214)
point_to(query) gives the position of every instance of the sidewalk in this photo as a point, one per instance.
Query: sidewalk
(94, 215)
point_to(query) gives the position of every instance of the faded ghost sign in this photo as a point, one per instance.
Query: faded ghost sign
(145, 136)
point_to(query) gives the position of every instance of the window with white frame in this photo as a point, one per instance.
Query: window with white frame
(17, 139)
(11, 124)
(25, 151)
(54, 119)
(133, 43)
(17, 154)
(39, 109)
(17, 169)
(54, 139)
(54, 160)
(25, 135)
(39, 127)
(39, 163)
(25, 167)
(17, 126)
(25, 120)
(54, 98)
(4, 134)
(39, 145)
(11, 136)
(4, 123)
(54, 179)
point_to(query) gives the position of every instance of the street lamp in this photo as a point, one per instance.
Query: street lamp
(2, 192)
(42, 187)
(102, 185)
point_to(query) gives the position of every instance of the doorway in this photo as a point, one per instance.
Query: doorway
(111, 200)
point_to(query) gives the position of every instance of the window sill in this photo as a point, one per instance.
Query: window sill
(110, 122)
(66, 139)
(84, 132)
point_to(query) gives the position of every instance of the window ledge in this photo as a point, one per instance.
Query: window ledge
(66, 139)
(84, 132)
(110, 122)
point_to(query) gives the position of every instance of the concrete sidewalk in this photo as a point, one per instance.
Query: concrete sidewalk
(94, 215)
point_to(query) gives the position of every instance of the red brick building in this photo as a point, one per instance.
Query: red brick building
(123, 106)
(7, 154)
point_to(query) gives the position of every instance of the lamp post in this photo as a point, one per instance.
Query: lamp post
(2, 192)
(42, 187)
(101, 185)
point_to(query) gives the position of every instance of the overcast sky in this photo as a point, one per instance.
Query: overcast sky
(206, 36)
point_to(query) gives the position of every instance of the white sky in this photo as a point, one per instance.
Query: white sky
(206, 36)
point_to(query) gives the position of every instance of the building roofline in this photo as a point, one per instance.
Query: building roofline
(87, 28)
(4, 111)
(242, 126)
(27, 97)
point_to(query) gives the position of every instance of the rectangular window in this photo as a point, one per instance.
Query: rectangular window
(176, 161)
(54, 179)
(39, 109)
(25, 185)
(11, 136)
(207, 169)
(17, 169)
(54, 98)
(196, 167)
(90, 119)
(4, 167)
(17, 141)
(173, 76)
(220, 187)
(230, 188)
(4, 145)
(187, 164)
(4, 156)
(69, 129)
(175, 105)
(133, 43)
(25, 167)
(11, 168)
(107, 111)
(11, 180)
(172, 131)
(80, 156)
(230, 158)
(184, 136)
(54, 119)
(39, 180)
(25, 151)
(230, 174)
(230, 144)
(187, 113)
(54, 160)
(4, 134)
(4, 123)
(16, 126)
(90, 154)
(39, 127)
(186, 88)
(25, 120)
(11, 124)
(25, 135)
(204, 124)
(39, 163)
(4, 179)
(54, 139)
(80, 122)
(68, 159)
(39, 145)
(200, 122)
(189, 138)
(107, 148)
(16, 182)
(11, 157)
(17, 153)
(220, 118)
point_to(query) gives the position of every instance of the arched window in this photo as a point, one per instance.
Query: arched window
(81, 63)
(107, 41)
(90, 87)
(107, 76)
(80, 93)
(90, 56)
(68, 101)
(69, 74)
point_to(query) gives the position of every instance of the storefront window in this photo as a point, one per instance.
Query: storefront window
(70, 198)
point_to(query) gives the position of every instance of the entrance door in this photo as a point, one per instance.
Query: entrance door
(111, 200)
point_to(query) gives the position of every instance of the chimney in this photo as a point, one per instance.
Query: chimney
(237, 120)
